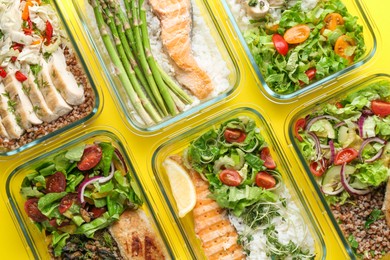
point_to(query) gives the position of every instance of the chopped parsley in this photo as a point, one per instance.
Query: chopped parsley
(375, 215)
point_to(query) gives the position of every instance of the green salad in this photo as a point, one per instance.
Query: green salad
(304, 45)
(79, 191)
(346, 143)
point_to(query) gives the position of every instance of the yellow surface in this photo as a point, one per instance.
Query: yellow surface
(141, 146)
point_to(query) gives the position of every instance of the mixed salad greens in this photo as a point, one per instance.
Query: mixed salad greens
(346, 143)
(304, 45)
(79, 191)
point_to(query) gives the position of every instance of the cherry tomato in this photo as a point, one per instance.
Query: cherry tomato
(299, 125)
(234, 135)
(49, 32)
(20, 76)
(97, 212)
(339, 105)
(280, 44)
(297, 34)
(310, 73)
(3, 73)
(266, 156)
(343, 43)
(346, 155)
(230, 177)
(56, 183)
(380, 108)
(332, 20)
(31, 208)
(265, 180)
(67, 202)
(91, 157)
(317, 168)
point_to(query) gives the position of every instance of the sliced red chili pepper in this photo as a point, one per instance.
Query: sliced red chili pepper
(49, 32)
(3, 73)
(20, 76)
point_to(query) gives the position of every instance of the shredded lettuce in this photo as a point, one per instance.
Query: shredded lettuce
(373, 174)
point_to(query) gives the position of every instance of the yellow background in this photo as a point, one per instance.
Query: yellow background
(140, 146)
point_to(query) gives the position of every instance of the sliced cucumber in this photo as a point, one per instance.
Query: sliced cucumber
(323, 128)
(346, 136)
(332, 179)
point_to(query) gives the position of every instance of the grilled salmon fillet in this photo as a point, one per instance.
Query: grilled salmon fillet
(176, 22)
(135, 237)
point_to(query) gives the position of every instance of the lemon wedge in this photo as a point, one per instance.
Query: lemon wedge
(182, 187)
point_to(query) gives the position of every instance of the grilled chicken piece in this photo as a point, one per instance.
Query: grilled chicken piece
(64, 81)
(386, 204)
(3, 132)
(53, 99)
(176, 23)
(23, 107)
(135, 237)
(8, 117)
(42, 110)
(212, 225)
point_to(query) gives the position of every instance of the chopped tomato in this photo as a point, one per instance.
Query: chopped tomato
(97, 212)
(91, 157)
(280, 44)
(299, 125)
(3, 73)
(266, 156)
(49, 32)
(317, 168)
(265, 180)
(234, 135)
(297, 34)
(272, 29)
(339, 105)
(20, 76)
(343, 47)
(380, 108)
(67, 202)
(310, 73)
(346, 155)
(332, 20)
(230, 177)
(31, 208)
(56, 183)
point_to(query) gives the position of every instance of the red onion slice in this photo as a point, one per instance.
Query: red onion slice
(367, 141)
(348, 187)
(121, 159)
(339, 124)
(315, 119)
(360, 125)
(332, 152)
(317, 145)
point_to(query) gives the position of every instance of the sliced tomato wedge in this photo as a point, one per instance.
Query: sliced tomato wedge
(234, 135)
(297, 34)
(230, 177)
(56, 183)
(3, 73)
(67, 202)
(299, 125)
(31, 208)
(345, 156)
(265, 180)
(317, 168)
(91, 157)
(380, 108)
(266, 156)
(20, 76)
(280, 44)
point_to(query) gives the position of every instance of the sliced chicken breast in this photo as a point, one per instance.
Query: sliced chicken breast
(386, 204)
(38, 101)
(3, 131)
(52, 97)
(9, 120)
(64, 80)
(23, 107)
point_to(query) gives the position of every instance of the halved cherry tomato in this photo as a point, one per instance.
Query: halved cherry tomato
(339, 105)
(280, 44)
(272, 29)
(380, 108)
(3, 73)
(299, 125)
(67, 202)
(56, 183)
(91, 157)
(230, 177)
(20, 76)
(265, 180)
(342, 46)
(332, 20)
(297, 34)
(97, 212)
(317, 168)
(49, 32)
(266, 156)
(346, 155)
(310, 73)
(234, 135)
(31, 208)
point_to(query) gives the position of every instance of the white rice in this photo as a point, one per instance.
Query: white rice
(290, 225)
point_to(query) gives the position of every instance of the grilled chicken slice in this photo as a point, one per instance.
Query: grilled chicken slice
(386, 204)
(8, 117)
(53, 99)
(38, 101)
(64, 81)
(23, 107)
(135, 237)
(3, 132)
